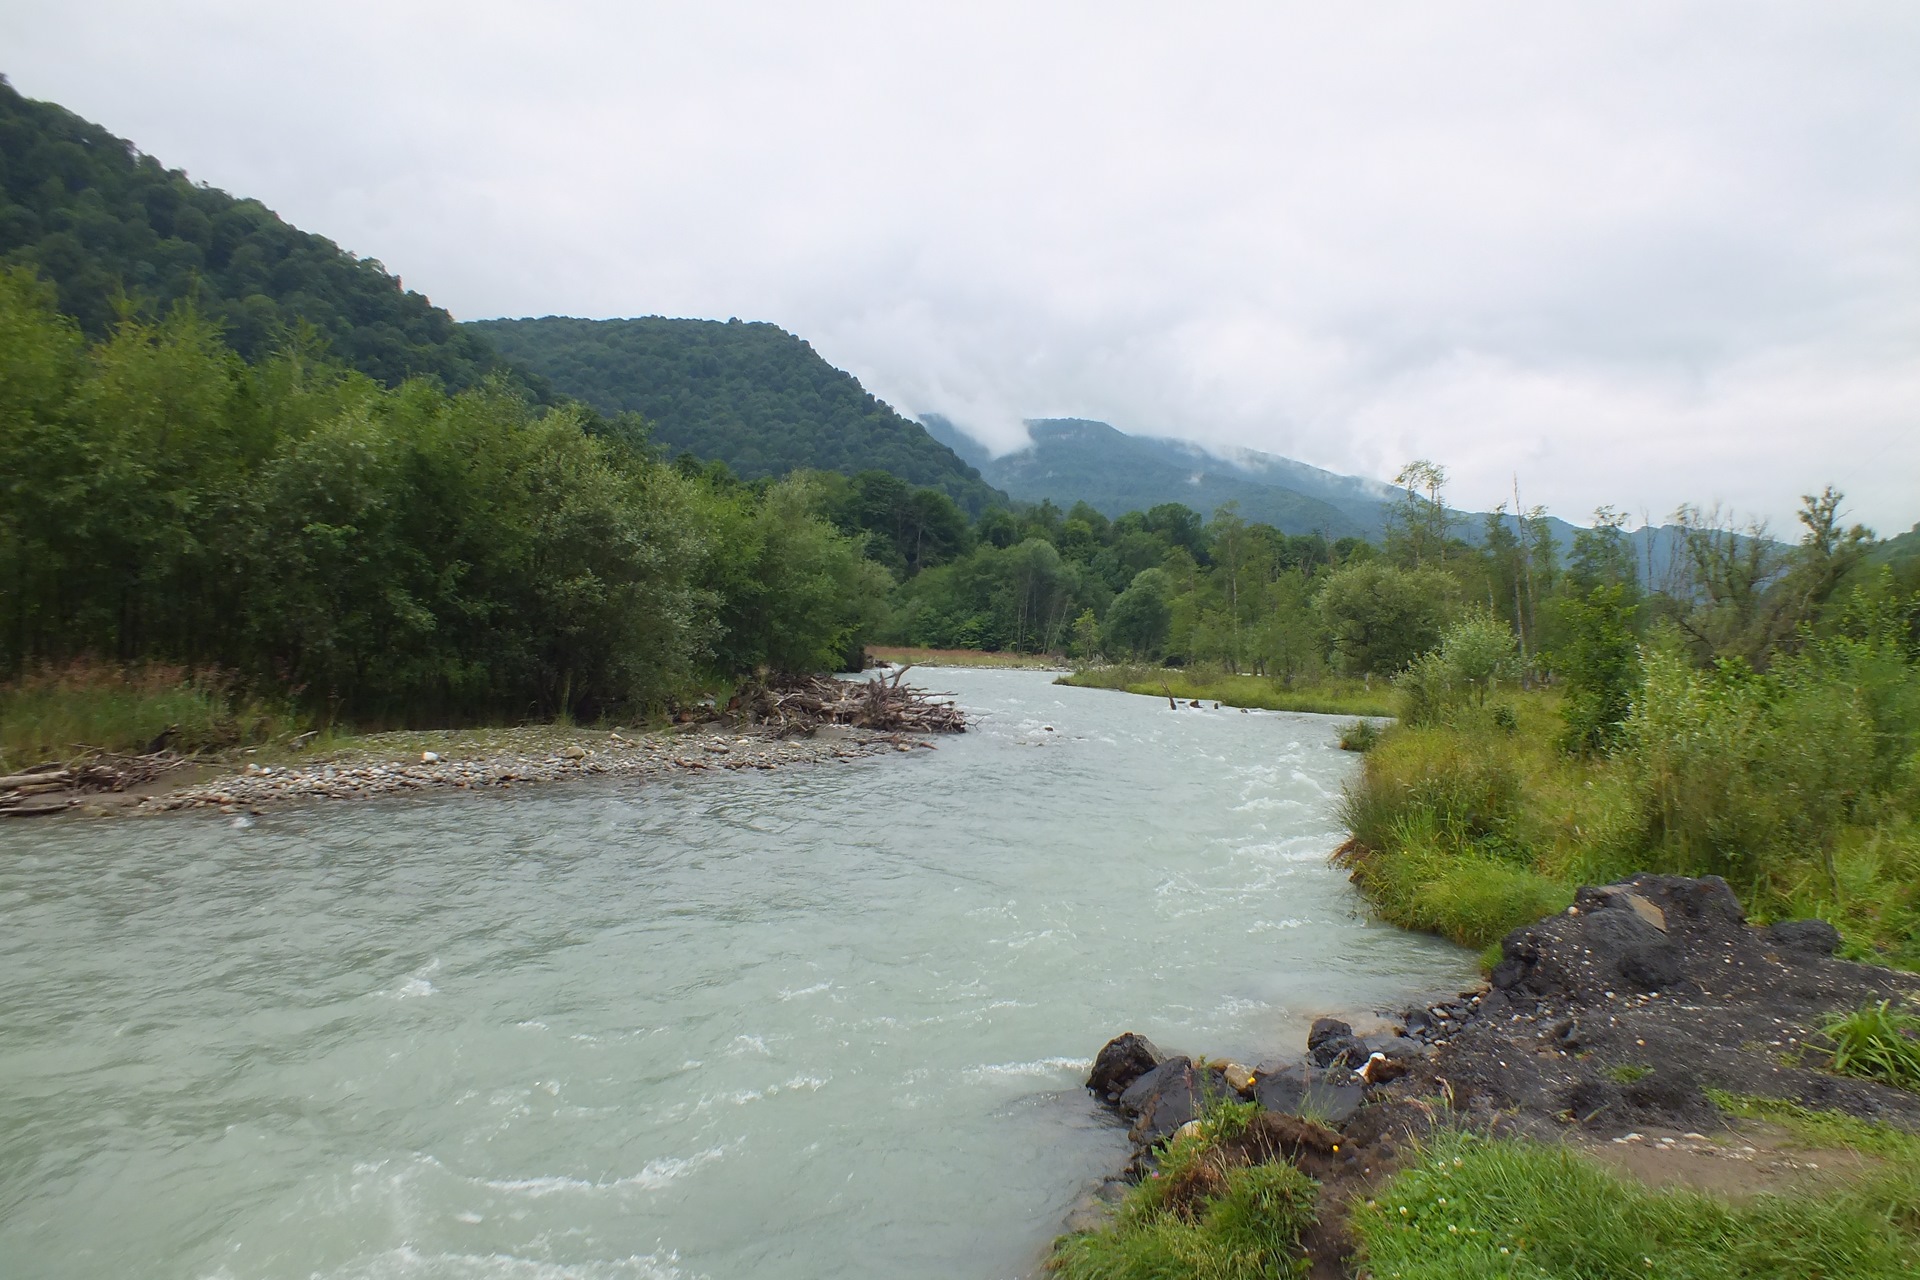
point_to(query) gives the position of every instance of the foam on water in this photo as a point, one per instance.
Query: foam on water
(741, 1025)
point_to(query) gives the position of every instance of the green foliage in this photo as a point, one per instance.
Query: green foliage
(1473, 1208)
(751, 395)
(1140, 617)
(1247, 1228)
(1599, 658)
(1361, 735)
(1423, 880)
(1380, 618)
(1877, 1042)
(1738, 770)
(1472, 656)
(383, 554)
(104, 223)
(55, 712)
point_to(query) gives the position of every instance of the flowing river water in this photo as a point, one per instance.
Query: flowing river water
(824, 1022)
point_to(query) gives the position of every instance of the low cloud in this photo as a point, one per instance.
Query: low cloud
(1638, 254)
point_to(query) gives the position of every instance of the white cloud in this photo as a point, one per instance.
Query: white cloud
(1639, 253)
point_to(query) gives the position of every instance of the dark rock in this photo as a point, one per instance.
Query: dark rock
(1174, 1092)
(1399, 1048)
(1612, 941)
(1327, 1097)
(1134, 1098)
(1124, 1060)
(1493, 1004)
(1331, 1043)
(1625, 944)
(1281, 1090)
(1804, 937)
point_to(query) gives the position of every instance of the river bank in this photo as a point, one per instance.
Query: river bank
(1648, 1032)
(1323, 697)
(369, 766)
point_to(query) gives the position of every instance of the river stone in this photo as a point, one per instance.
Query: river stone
(1168, 1097)
(1297, 1090)
(1124, 1059)
(1332, 1043)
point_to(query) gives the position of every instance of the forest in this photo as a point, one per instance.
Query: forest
(405, 554)
(112, 228)
(752, 396)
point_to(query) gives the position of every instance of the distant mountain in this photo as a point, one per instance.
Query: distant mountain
(752, 395)
(101, 221)
(1072, 460)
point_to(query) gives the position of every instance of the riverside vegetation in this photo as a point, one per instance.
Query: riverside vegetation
(1755, 718)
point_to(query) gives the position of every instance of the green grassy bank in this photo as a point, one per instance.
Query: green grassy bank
(1331, 697)
(1480, 820)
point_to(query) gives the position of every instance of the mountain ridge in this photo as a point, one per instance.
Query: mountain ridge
(750, 394)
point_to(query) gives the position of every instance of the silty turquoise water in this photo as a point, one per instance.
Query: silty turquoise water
(824, 1022)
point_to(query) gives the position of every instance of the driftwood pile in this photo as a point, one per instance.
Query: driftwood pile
(801, 704)
(50, 788)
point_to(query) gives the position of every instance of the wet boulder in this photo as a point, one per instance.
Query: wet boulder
(1331, 1043)
(1169, 1096)
(1123, 1060)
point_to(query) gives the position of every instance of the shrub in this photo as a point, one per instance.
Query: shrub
(1877, 1043)
(1361, 735)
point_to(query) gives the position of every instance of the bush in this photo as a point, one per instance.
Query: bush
(1361, 735)
(1473, 655)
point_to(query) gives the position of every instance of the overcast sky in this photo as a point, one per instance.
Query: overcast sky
(1636, 253)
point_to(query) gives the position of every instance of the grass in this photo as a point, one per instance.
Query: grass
(1471, 1207)
(1877, 1042)
(904, 654)
(1816, 1128)
(58, 713)
(1327, 697)
(1470, 827)
(1198, 1217)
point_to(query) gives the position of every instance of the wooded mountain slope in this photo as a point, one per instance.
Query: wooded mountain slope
(1077, 460)
(752, 395)
(100, 220)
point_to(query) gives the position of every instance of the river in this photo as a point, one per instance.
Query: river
(823, 1022)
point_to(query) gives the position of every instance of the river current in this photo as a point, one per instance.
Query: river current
(822, 1022)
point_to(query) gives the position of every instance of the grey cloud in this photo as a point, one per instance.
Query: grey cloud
(1640, 254)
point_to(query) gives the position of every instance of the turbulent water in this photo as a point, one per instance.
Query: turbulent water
(824, 1022)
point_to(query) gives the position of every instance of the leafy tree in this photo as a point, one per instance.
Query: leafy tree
(1139, 617)
(1380, 618)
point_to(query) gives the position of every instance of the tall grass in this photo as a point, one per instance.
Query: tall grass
(1877, 1042)
(1245, 1227)
(1333, 697)
(1795, 786)
(57, 713)
(1472, 1208)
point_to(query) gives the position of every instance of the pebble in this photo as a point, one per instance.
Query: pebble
(622, 757)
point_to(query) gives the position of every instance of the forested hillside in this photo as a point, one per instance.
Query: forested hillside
(103, 222)
(750, 395)
(1076, 460)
